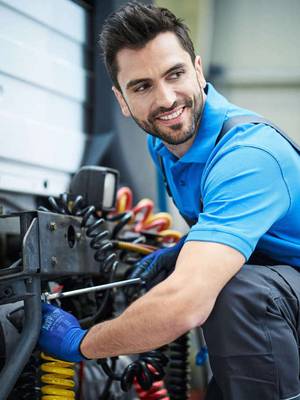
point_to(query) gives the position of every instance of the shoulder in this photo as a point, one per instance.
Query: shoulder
(241, 161)
(259, 141)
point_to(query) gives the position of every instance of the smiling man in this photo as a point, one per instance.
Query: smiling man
(235, 178)
(165, 97)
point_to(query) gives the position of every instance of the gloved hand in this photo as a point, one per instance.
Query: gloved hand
(61, 334)
(155, 267)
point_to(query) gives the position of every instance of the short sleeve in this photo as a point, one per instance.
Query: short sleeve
(244, 193)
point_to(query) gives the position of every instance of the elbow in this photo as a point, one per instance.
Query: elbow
(196, 313)
(185, 308)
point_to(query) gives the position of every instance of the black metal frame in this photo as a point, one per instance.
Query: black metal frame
(52, 245)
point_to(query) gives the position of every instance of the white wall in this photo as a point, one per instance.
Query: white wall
(256, 44)
(43, 93)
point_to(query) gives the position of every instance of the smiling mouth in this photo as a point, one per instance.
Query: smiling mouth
(171, 116)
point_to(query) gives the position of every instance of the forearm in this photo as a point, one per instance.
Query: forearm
(155, 319)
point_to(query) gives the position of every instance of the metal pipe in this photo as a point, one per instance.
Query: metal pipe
(52, 296)
(32, 324)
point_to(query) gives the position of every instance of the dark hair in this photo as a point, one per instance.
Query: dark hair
(133, 26)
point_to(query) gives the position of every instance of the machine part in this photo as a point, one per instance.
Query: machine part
(25, 225)
(51, 245)
(10, 327)
(56, 248)
(97, 186)
(63, 246)
(19, 356)
(91, 225)
(28, 386)
(53, 296)
(12, 320)
(178, 373)
(58, 377)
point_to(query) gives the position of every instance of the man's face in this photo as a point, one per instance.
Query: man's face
(161, 88)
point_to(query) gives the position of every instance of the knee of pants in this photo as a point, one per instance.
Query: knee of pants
(237, 313)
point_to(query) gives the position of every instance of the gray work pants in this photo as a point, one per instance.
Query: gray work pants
(253, 336)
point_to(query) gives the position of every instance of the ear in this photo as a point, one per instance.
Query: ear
(122, 102)
(199, 72)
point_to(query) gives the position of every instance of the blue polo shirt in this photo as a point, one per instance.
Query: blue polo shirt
(243, 192)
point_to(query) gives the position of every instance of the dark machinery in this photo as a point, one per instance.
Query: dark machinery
(77, 244)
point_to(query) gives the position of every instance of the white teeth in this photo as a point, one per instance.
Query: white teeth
(172, 116)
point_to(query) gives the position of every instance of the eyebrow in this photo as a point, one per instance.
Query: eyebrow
(135, 82)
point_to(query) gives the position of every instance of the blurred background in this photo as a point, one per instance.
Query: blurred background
(57, 110)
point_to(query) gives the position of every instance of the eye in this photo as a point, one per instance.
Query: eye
(176, 74)
(141, 88)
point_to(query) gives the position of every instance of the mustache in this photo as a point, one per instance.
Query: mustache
(186, 103)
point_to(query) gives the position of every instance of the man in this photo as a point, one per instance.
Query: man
(243, 195)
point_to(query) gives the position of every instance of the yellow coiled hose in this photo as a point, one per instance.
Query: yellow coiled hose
(58, 378)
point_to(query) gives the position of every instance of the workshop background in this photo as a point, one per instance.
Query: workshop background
(57, 110)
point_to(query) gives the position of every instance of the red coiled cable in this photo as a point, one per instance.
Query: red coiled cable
(143, 218)
(157, 391)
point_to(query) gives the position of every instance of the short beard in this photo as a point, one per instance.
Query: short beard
(149, 127)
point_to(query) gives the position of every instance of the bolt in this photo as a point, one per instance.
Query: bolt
(52, 226)
(53, 261)
(78, 236)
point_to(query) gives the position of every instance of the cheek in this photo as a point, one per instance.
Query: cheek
(189, 89)
(140, 109)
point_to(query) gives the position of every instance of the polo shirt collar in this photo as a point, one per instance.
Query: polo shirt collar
(212, 119)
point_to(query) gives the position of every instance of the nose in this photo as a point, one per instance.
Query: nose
(165, 96)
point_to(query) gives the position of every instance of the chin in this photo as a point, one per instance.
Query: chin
(183, 137)
(176, 141)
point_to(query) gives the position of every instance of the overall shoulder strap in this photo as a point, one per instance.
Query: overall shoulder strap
(253, 119)
(163, 171)
(189, 221)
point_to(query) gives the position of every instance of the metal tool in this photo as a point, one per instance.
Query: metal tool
(53, 296)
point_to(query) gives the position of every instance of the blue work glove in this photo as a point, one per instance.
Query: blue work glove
(61, 334)
(155, 267)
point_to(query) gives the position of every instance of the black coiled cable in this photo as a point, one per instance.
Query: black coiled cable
(177, 378)
(123, 219)
(147, 369)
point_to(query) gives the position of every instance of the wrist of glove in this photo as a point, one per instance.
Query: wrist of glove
(61, 334)
(155, 267)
